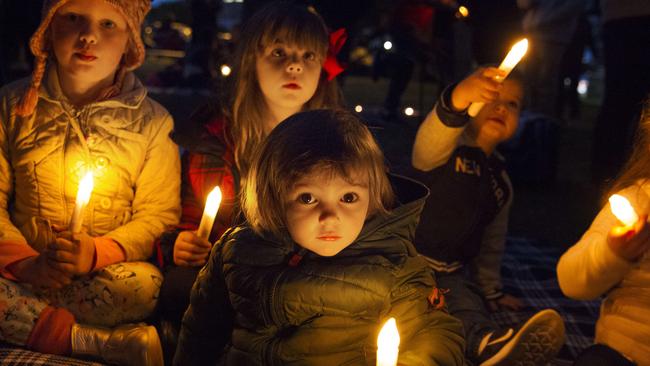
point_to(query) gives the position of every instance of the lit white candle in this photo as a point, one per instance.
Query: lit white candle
(512, 59)
(209, 213)
(388, 344)
(83, 196)
(622, 209)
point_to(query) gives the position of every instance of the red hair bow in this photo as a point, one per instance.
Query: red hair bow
(332, 66)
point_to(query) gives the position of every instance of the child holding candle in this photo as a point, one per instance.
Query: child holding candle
(325, 257)
(612, 259)
(282, 66)
(464, 221)
(84, 111)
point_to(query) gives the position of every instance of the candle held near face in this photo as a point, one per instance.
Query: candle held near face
(388, 344)
(209, 213)
(83, 196)
(623, 210)
(513, 57)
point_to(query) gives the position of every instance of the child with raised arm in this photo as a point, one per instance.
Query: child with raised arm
(67, 292)
(281, 67)
(611, 259)
(464, 222)
(324, 258)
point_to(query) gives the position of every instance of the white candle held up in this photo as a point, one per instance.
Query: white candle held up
(388, 344)
(623, 211)
(209, 213)
(83, 196)
(512, 59)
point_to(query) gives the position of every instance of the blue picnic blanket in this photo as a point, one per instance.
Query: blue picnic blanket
(528, 272)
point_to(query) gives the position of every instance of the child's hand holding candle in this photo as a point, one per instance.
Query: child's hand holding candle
(479, 86)
(73, 251)
(632, 239)
(192, 248)
(512, 59)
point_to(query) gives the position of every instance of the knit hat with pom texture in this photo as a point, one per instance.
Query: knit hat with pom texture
(133, 11)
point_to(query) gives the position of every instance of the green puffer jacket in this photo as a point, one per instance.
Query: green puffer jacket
(324, 311)
(125, 142)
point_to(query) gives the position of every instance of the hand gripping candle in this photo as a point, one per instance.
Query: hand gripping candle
(388, 344)
(209, 213)
(512, 59)
(83, 196)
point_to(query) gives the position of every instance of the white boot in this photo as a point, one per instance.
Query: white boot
(131, 344)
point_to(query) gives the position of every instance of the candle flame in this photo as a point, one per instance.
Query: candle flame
(214, 201)
(514, 56)
(463, 12)
(388, 343)
(623, 210)
(209, 213)
(85, 189)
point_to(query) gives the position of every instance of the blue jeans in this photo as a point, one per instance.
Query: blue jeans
(465, 302)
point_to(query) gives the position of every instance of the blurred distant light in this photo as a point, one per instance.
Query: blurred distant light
(233, 1)
(462, 12)
(409, 111)
(567, 82)
(358, 109)
(388, 45)
(583, 86)
(226, 36)
(225, 70)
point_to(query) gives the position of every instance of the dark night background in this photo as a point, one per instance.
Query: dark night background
(556, 196)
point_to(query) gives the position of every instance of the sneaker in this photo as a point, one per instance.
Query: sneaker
(535, 343)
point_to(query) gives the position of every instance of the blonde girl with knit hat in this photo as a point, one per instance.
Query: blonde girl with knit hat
(82, 111)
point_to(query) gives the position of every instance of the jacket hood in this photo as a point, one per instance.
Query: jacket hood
(402, 220)
(131, 95)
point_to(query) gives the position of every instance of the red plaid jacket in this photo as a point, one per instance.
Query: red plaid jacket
(206, 164)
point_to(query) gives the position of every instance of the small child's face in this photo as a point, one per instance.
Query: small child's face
(325, 213)
(288, 75)
(89, 38)
(498, 120)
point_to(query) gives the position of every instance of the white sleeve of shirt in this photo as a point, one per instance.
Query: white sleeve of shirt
(434, 142)
(590, 268)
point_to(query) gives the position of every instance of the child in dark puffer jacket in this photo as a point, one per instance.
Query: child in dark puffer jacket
(324, 259)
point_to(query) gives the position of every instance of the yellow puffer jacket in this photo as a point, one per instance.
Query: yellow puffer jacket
(124, 140)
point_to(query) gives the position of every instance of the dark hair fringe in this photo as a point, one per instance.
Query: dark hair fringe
(328, 141)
